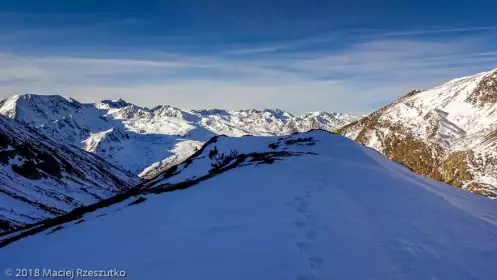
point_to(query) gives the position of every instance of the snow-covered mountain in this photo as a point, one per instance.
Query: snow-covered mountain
(305, 206)
(448, 133)
(40, 178)
(144, 140)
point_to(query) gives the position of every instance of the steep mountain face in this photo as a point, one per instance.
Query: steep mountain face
(40, 178)
(305, 206)
(145, 141)
(448, 133)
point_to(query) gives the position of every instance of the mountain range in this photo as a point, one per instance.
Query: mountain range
(58, 154)
(144, 141)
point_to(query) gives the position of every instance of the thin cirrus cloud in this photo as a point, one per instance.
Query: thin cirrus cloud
(437, 31)
(357, 78)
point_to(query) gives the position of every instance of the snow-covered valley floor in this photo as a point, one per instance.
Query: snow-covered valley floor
(343, 212)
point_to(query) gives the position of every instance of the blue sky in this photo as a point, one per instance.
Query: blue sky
(347, 56)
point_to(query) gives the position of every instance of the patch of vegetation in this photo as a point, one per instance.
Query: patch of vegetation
(271, 157)
(415, 154)
(299, 140)
(222, 160)
(455, 168)
(6, 226)
(273, 146)
(481, 189)
(213, 153)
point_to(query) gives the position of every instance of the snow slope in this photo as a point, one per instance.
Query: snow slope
(40, 178)
(451, 129)
(145, 141)
(306, 206)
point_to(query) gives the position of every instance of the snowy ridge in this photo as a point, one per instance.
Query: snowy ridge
(454, 120)
(145, 141)
(37, 110)
(40, 178)
(304, 206)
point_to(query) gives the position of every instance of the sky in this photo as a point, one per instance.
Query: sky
(297, 55)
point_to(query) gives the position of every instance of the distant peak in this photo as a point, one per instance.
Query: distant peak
(36, 109)
(164, 107)
(119, 100)
(206, 112)
(278, 112)
(39, 99)
(327, 114)
(114, 104)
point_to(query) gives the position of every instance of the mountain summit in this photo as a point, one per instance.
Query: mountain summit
(448, 133)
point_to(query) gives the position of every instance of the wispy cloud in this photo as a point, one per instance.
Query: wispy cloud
(355, 78)
(437, 31)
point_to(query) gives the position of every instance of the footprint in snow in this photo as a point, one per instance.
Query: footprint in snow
(310, 234)
(299, 224)
(303, 246)
(302, 208)
(314, 263)
(307, 193)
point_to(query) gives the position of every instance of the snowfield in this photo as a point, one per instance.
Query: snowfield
(306, 206)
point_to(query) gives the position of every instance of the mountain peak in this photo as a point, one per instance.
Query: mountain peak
(207, 112)
(112, 104)
(37, 109)
(278, 113)
(447, 129)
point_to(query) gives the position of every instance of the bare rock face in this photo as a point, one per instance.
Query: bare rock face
(448, 133)
(486, 92)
